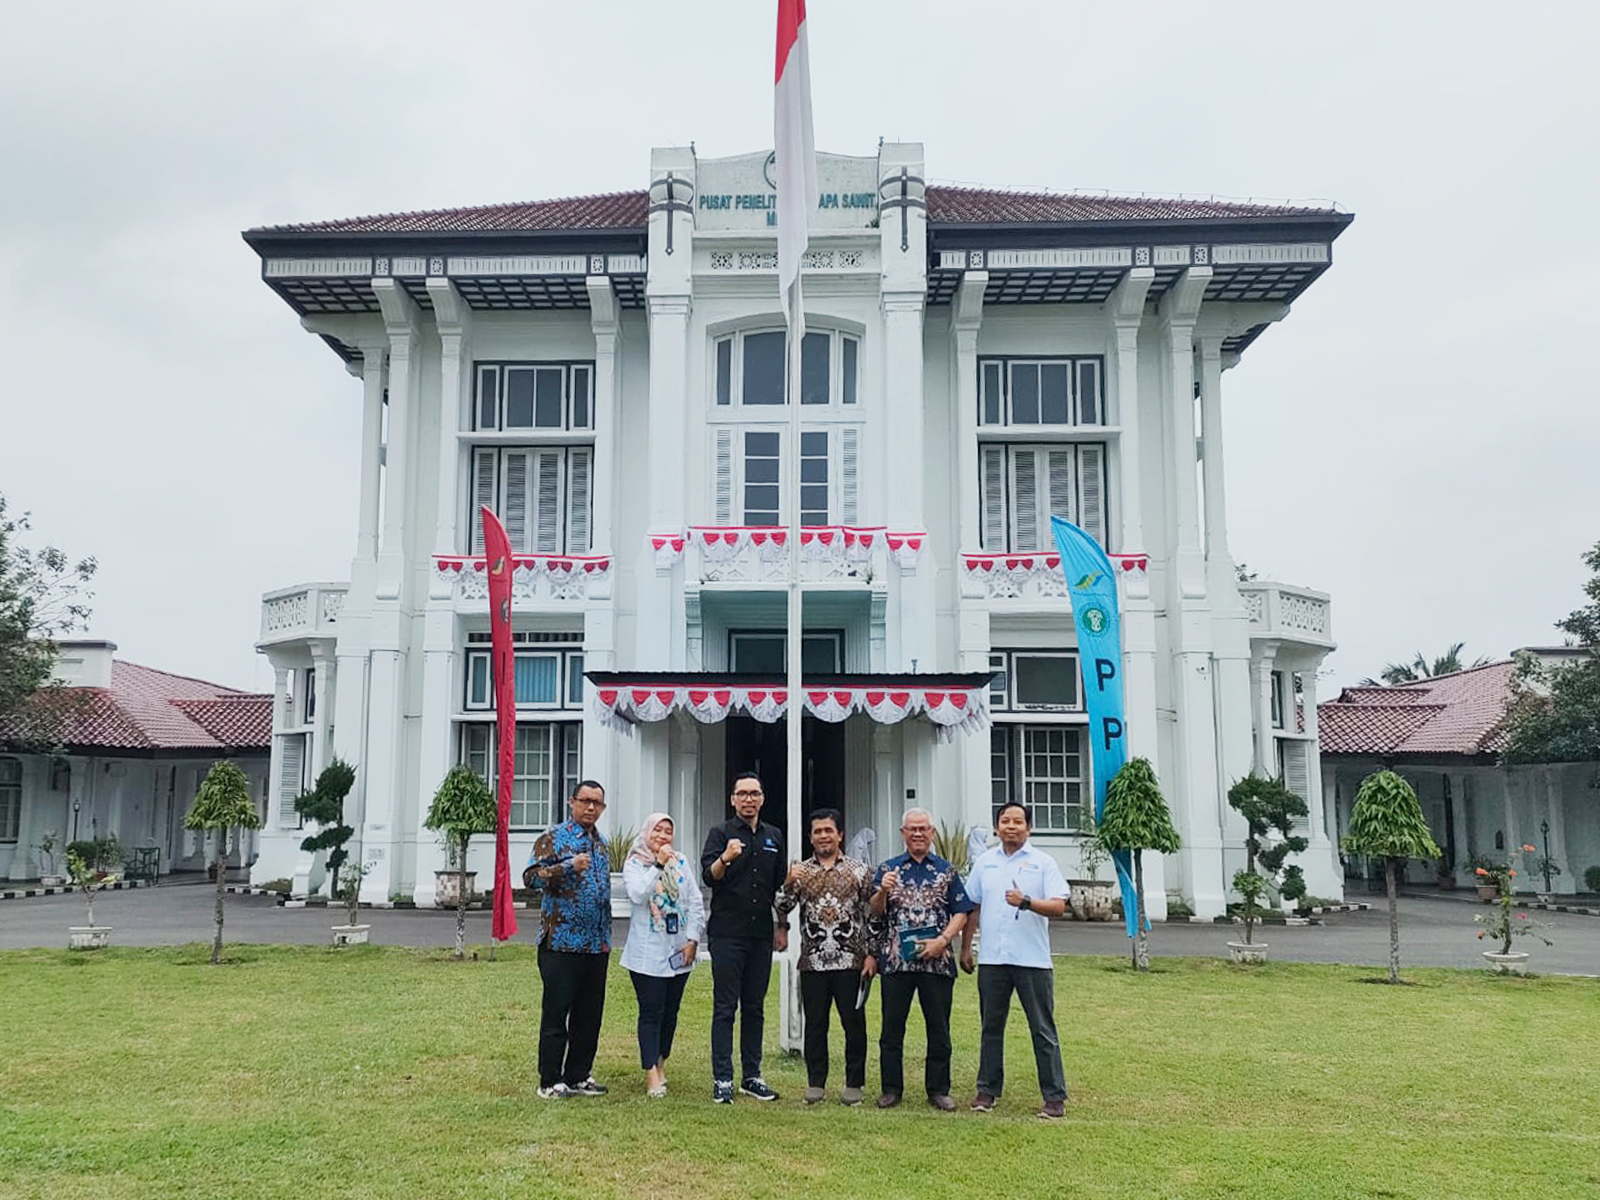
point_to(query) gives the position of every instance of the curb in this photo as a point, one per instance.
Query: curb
(65, 890)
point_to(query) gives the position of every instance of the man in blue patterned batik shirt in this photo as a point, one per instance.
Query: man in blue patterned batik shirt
(571, 864)
(918, 906)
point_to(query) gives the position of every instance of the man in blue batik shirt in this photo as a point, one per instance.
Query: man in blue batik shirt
(571, 865)
(918, 906)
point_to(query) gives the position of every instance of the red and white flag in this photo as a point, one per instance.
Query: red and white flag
(795, 154)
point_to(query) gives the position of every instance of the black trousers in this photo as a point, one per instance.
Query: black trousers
(821, 991)
(569, 1017)
(934, 994)
(741, 968)
(1036, 989)
(659, 998)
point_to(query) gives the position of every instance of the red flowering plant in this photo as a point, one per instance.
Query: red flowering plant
(1500, 924)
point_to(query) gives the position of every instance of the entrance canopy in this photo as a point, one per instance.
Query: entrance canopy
(951, 702)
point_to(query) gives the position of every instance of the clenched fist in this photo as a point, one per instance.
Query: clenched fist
(580, 862)
(891, 880)
(732, 851)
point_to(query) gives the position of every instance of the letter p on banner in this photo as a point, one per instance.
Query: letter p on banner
(1092, 585)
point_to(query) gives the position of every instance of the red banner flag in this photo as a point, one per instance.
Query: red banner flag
(497, 550)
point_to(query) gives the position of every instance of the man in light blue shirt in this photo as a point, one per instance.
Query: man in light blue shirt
(1017, 889)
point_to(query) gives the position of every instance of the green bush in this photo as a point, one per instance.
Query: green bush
(1591, 879)
(99, 854)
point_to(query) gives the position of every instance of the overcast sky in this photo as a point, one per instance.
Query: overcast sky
(1418, 437)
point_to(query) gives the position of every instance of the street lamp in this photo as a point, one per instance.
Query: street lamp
(1544, 863)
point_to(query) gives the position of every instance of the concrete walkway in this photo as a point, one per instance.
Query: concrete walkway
(1434, 931)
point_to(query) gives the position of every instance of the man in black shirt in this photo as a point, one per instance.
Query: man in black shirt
(743, 866)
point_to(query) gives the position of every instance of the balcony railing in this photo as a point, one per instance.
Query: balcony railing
(1290, 614)
(308, 610)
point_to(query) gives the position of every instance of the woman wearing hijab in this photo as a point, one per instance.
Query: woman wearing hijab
(664, 931)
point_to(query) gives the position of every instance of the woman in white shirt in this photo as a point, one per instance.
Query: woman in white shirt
(665, 925)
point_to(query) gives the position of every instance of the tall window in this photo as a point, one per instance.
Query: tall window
(547, 766)
(1042, 391)
(542, 492)
(751, 467)
(1037, 751)
(1021, 487)
(10, 799)
(544, 679)
(751, 369)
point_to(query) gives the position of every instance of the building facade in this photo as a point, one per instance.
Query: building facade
(607, 374)
(132, 747)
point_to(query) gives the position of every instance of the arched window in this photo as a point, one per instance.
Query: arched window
(10, 798)
(751, 369)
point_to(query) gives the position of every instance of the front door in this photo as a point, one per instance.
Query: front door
(757, 746)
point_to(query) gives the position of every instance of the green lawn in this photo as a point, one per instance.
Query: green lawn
(305, 1072)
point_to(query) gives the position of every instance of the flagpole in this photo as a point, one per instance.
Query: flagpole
(794, 639)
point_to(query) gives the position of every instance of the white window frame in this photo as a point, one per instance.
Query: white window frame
(1011, 752)
(477, 750)
(834, 637)
(1003, 688)
(1086, 390)
(1014, 510)
(729, 504)
(844, 387)
(491, 385)
(569, 672)
(561, 474)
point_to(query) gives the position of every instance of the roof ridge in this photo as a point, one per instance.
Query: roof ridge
(411, 213)
(186, 678)
(1243, 202)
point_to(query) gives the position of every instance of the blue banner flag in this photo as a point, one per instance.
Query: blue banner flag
(1092, 584)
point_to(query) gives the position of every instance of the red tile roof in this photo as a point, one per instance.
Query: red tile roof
(147, 709)
(1462, 713)
(946, 206)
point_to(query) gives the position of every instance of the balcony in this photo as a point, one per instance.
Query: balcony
(829, 554)
(1288, 613)
(308, 610)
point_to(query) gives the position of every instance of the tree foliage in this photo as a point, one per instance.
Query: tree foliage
(43, 595)
(1554, 714)
(461, 807)
(1421, 667)
(324, 804)
(1136, 819)
(1269, 810)
(1386, 822)
(223, 803)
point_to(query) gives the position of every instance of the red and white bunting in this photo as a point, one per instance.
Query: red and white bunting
(952, 709)
(1018, 567)
(1139, 563)
(668, 548)
(557, 566)
(722, 543)
(905, 548)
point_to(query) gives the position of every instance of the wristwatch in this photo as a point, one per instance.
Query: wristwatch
(1027, 904)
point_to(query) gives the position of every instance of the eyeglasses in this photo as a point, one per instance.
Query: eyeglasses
(747, 795)
(576, 800)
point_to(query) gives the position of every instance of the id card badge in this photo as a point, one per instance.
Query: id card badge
(672, 924)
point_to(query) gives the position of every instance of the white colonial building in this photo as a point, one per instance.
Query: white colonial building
(607, 373)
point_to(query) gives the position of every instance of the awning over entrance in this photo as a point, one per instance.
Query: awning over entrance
(951, 702)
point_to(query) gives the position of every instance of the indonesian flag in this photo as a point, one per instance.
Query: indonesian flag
(497, 551)
(795, 154)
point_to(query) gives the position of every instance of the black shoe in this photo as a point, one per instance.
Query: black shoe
(590, 1088)
(756, 1088)
(722, 1093)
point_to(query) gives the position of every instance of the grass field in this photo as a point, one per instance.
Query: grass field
(305, 1072)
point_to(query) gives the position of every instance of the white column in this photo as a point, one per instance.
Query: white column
(1124, 310)
(604, 320)
(1211, 451)
(453, 319)
(400, 322)
(1261, 670)
(658, 649)
(966, 316)
(1180, 306)
(321, 692)
(280, 694)
(1458, 812)
(1556, 814)
(373, 368)
(383, 771)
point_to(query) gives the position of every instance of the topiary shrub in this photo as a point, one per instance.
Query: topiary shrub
(1591, 879)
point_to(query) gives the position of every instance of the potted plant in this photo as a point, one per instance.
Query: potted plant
(1500, 925)
(49, 842)
(1136, 819)
(461, 807)
(324, 804)
(1444, 876)
(222, 804)
(617, 850)
(347, 888)
(1486, 874)
(1269, 810)
(1387, 822)
(1092, 898)
(88, 881)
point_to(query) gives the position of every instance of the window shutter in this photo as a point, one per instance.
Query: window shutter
(483, 462)
(994, 496)
(723, 498)
(1025, 500)
(1063, 499)
(547, 499)
(580, 463)
(514, 500)
(1294, 768)
(1092, 491)
(849, 438)
(291, 777)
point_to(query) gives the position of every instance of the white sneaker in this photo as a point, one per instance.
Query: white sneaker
(556, 1091)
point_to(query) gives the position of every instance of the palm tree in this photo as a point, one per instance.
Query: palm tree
(1420, 668)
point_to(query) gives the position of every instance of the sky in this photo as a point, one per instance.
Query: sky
(1417, 438)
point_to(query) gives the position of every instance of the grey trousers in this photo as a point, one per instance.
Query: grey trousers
(1036, 989)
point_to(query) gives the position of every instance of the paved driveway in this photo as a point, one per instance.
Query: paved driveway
(1433, 932)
